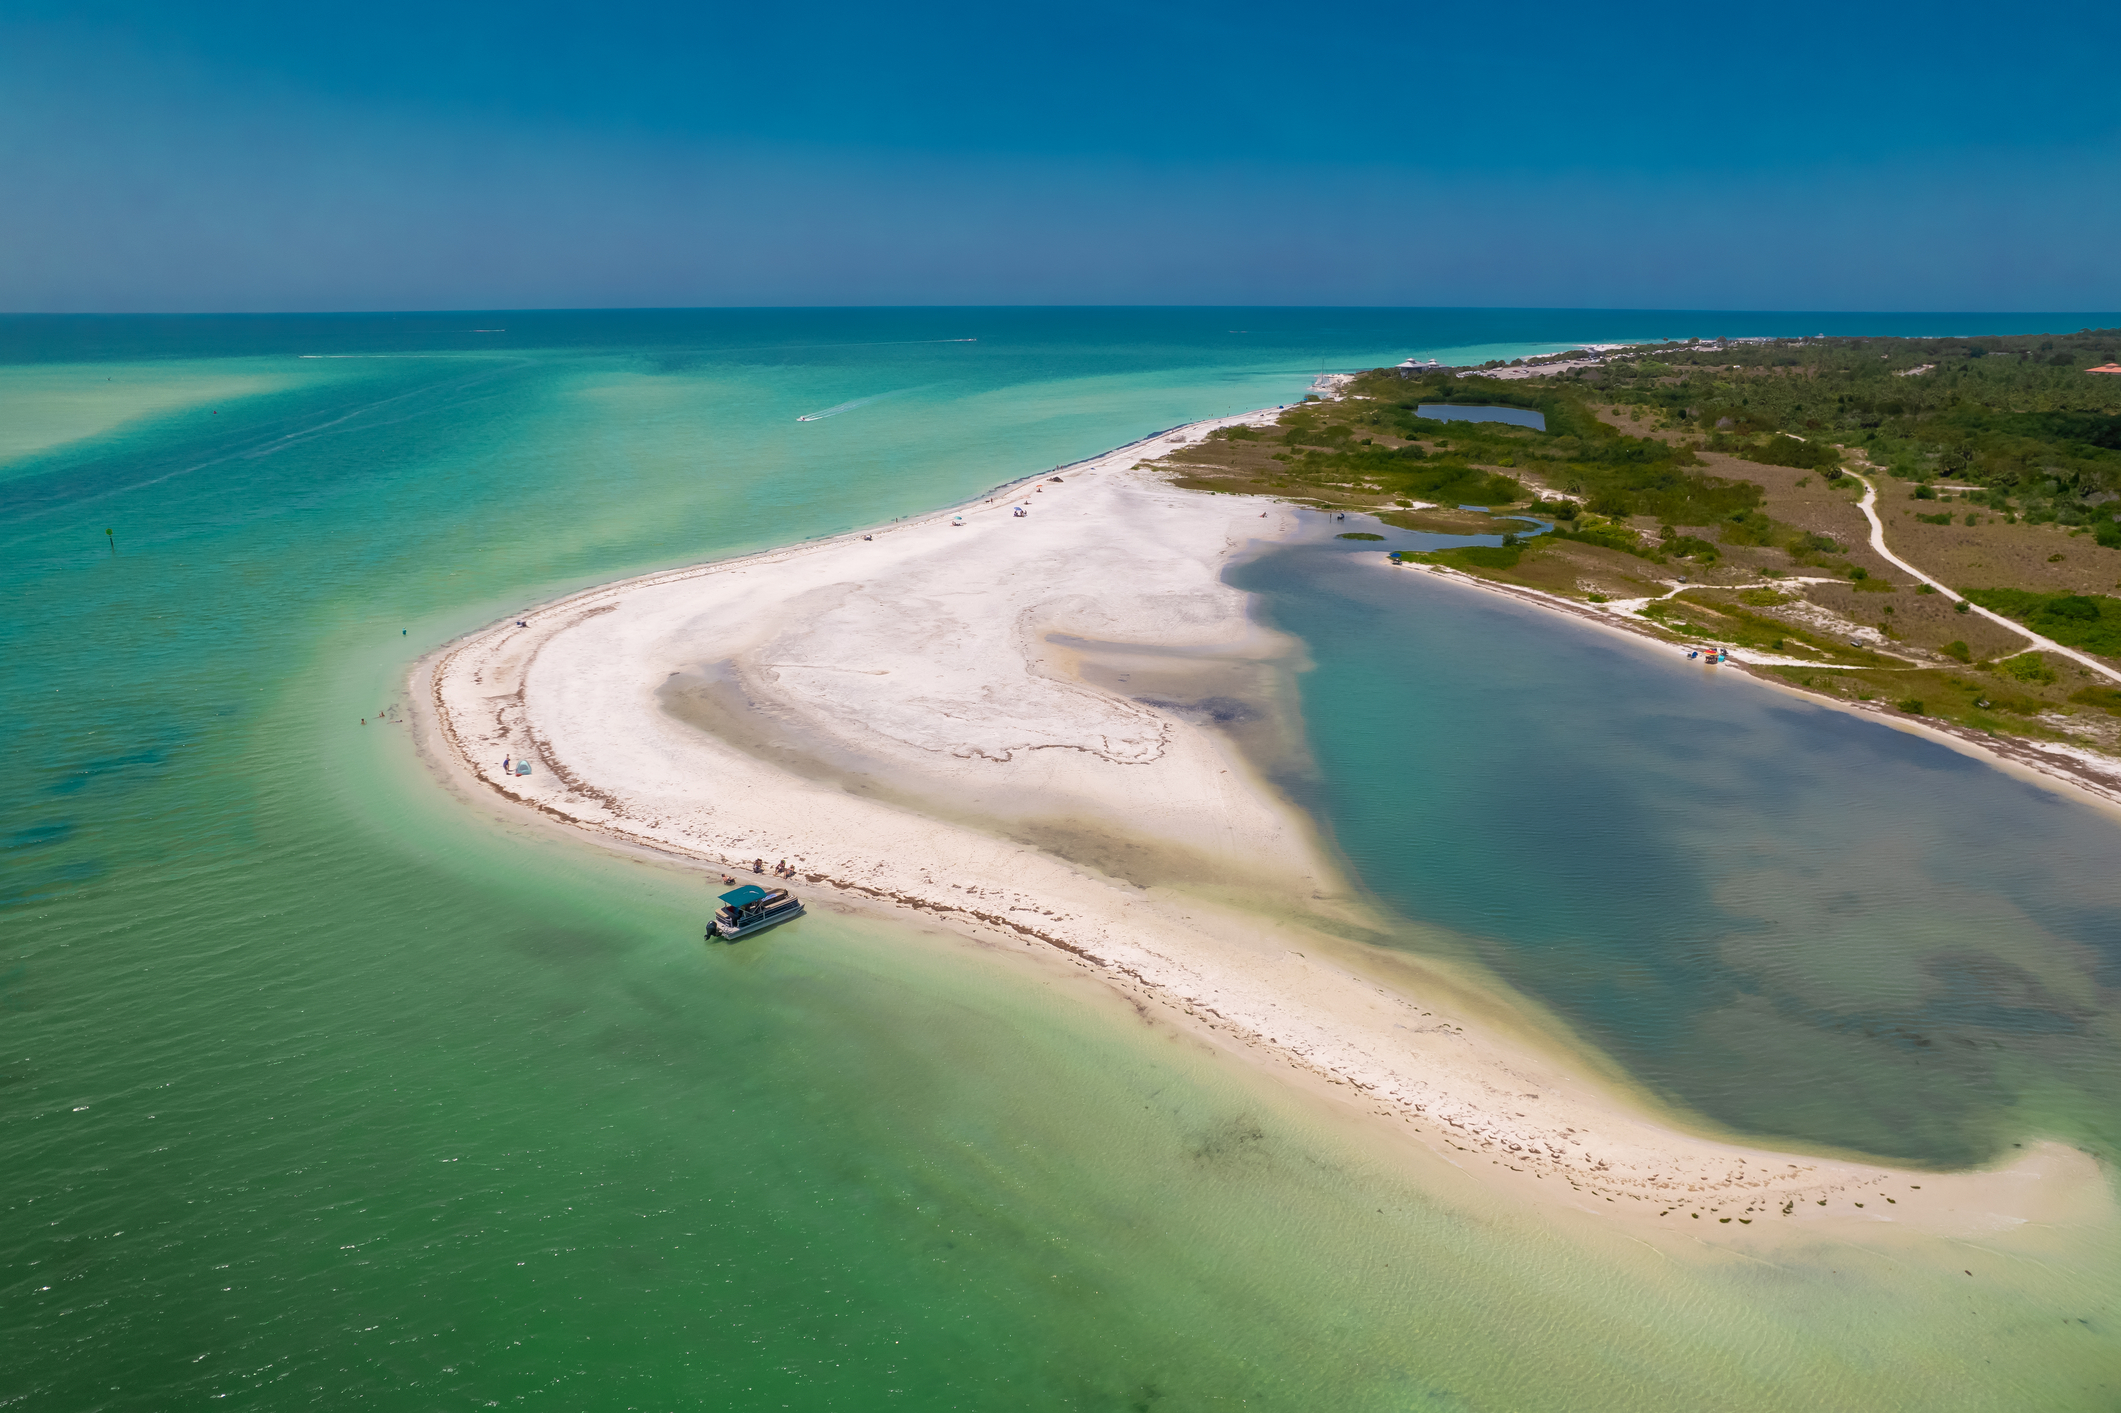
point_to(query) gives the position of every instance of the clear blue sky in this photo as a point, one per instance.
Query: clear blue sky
(382, 155)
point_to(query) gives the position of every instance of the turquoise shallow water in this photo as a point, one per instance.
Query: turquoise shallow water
(322, 1090)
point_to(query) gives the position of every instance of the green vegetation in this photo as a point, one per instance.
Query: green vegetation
(1715, 614)
(1326, 452)
(2104, 698)
(1748, 527)
(2088, 621)
(1472, 556)
(1939, 695)
(2017, 435)
(2027, 667)
(1614, 473)
(1606, 535)
(1357, 535)
(2015, 418)
(1688, 547)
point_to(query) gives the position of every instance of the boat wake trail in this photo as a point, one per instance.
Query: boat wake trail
(847, 406)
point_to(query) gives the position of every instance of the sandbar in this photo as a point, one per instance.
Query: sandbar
(947, 716)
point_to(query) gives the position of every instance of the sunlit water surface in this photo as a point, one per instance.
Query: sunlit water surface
(324, 1089)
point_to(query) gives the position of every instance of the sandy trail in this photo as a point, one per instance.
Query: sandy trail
(1016, 724)
(1869, 507)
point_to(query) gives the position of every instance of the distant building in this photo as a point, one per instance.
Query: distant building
(2102, 368)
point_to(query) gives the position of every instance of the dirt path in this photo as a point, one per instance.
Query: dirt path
(1870, 513)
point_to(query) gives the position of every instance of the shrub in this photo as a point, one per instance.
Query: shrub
(1784, 450)
(1358, 535)
(1943, 518)
(2027, 667)
(1483, 556)
(2105, 698)
(1959, 650)
(2085, 621)
(1747, 527)
(1911, 705)
(1613, 537)
(2075, 607)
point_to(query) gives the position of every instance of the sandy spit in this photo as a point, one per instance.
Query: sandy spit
(936, 717)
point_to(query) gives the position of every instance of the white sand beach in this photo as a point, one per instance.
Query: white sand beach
(947, 716)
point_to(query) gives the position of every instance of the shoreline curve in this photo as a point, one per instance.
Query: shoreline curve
(928, 661)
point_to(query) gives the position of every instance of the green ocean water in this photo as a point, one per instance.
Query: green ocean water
(322, 1089)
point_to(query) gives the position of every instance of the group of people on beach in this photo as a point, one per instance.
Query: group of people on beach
(783, 869)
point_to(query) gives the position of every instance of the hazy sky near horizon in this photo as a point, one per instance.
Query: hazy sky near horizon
(245, 156)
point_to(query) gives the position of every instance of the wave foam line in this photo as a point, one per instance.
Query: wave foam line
(841, 407)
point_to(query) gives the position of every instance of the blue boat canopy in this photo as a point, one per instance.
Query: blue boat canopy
(745, 896)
